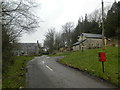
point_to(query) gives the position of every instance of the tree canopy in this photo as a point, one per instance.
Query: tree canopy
(90, 23)
(16, 18)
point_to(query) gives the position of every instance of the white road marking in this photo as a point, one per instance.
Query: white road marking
(43, 62)
(47, 57)
(49, 68)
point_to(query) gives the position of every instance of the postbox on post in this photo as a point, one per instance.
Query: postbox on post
(102, 58)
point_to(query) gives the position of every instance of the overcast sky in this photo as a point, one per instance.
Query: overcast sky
(55, 13)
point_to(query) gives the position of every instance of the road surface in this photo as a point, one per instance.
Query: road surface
(45, 72)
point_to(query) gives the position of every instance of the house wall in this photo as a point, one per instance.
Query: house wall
(89, 44)
(27, 49)
(92, 43)
(30, 49)
(76, 48)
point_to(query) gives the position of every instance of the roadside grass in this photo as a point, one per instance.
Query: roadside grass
(88, 61)
(15, 77)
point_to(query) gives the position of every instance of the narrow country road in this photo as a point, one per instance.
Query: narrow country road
(45, 72)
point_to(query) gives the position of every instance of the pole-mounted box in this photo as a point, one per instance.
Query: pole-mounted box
(102, 56)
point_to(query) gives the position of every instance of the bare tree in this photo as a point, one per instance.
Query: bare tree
(50, 40)
(97, 14)
(58, 41)
(17, 18)
(67, 30)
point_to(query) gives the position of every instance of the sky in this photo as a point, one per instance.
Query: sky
(55, 13)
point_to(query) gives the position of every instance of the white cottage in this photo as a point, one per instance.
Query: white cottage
(88, 41)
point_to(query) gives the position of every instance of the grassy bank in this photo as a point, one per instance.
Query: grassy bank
(89, 61)
(15, 77)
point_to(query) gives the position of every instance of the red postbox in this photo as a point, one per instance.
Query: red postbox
(102, 56)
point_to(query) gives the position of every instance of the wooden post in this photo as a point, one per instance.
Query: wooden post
(103, 30)
(82, 32)
(103, 67)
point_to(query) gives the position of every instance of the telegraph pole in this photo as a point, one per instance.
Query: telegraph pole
(82, 33)
(103, 30)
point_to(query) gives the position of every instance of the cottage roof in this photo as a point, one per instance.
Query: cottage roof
(28, 44)
(89, 35)
(77, 43)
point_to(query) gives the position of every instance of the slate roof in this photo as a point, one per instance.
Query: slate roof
(28, 44)
(77, 43)
(89, 35)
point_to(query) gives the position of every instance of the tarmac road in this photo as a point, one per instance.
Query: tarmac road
(45, 72)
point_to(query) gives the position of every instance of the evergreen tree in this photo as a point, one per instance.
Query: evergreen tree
(77, 31)
(112, 24)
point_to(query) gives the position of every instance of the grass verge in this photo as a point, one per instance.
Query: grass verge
(15, 77)
(89, 61)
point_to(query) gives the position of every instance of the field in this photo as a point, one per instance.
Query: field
(88, 61)
(15, 77)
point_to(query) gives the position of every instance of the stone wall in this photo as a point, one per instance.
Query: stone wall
(93, 43)
(27, 49)
(89, 44)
